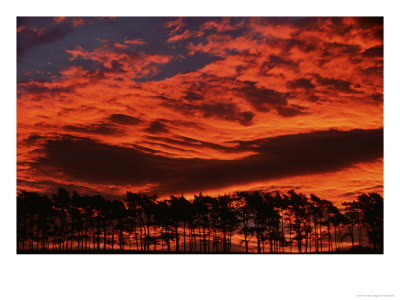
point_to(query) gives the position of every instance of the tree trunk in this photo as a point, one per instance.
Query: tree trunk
(112, 237)
(184, 238)
(105, 237)
(176, 239)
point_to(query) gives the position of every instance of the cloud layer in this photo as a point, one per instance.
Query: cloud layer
(87, 160)
(173, 105)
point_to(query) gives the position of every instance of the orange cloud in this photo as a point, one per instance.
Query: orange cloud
(273, 80)
(135, 42)
(59, 19)
(118, 57)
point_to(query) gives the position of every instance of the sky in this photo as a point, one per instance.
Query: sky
(189, 105)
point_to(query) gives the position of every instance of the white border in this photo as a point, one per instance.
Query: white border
(197, 277)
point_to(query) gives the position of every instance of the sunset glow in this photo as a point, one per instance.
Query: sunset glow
(187, 105)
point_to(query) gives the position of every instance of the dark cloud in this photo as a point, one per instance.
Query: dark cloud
(300, 154)
(305, 23)
(156, 127)
(40, 89)
(184, 123)
(116, 67)
(218, 110)
(32, 139)
(377, 97)
(276, 61)
(191, 143)
(193, 96)
(32, 36)
(226, 111)
(124, 119)
(339, 49)
(165, 146)
(91, 161)
(373, 71)
(262, 98)
(365, 189)
(369, 22)
(303, 46)
(301, 83)
(290, 111)
(313, 98)
(196, 91)
(376, 51)
(336, 84)
(99, 128)
(143, 149)
(370, 27)
(180, 106)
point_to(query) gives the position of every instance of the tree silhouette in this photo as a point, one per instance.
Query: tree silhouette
(142, 223)
(244, 215)
(371, 206)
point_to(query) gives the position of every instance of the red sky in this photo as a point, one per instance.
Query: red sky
(183, 105)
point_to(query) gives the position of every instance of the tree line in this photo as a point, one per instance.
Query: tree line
(250, 221)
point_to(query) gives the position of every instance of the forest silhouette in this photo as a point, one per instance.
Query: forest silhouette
(242, 222)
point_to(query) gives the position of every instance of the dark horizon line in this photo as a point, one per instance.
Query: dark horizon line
(167, 196)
